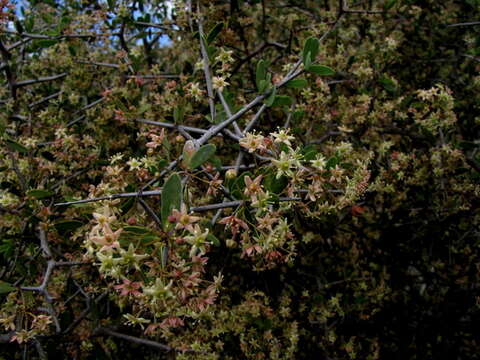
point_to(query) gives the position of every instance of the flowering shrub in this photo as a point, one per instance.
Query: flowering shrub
(239, 179)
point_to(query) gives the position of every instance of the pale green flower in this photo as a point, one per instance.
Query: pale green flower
(133, 320)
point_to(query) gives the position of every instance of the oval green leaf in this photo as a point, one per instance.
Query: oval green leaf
(39, 194)
(67, 226)
(212, 35)
(282, 101)
(321, 70)
(261, 73)
(171, 197)
(140, 230)
(202, 155)
(297, 83)
(6, 288)
(16, 146)
(311, 47)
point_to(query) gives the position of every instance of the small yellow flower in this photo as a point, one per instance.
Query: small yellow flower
(219, 83)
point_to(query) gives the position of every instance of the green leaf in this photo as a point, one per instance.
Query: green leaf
(213, 239)
(39, 194)
(16, 146)
(274, 185)
(171, 197)
(271, 97)
(217, 29)
(6, 287)
(18, 26)
(388, 84)
(29, 23)
(111, 4)
(389, 4)
(139, 230)
(215, 160)
(332, 162)
(202, 155)
(297, 83)
(307, 62)
(178, 114)
(126, 205)
(262, 86)
(164, 255)
(204, 41)
(7, 248)
(311, 47)
(261, 73)
(298, 115)
(282, 100)
(309, 152)
(43, 44)
(211, 51)
(321, 70)
(67, 226)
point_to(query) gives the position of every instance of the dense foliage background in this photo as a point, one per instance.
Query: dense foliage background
(239, 179)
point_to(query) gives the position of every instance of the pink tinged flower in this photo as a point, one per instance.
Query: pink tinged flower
(234, 224)
(214, 185)
(183, 220)
(250, 251)
(253, 142)
(119, 115)
(273, 255)
(106, 92)
(129, 288)
(157, 140)
(139, 81)
(266, 222)
(109, 240)
(150, 330)
(21, 336)
(253, 187)
(172, 322)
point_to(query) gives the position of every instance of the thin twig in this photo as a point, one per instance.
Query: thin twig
(471, 23)
(230, 204)
(150, 212)
(136, 340)
(45, 99)
(112, 197)
(39, 80)
(206, 67)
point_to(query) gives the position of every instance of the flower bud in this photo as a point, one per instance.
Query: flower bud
(231, 243)
(231, 174)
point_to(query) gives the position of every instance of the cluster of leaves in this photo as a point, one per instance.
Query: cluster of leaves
(239, 179)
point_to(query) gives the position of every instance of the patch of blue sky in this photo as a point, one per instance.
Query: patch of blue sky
(164, 40)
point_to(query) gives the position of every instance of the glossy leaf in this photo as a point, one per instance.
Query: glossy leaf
(6, 287)
(16, 146)
(261, 73)
(68, 226)
(282, 100)
(321, 70)
(202, 155)
(389, 4)
(311, 47)
(212, 35)
(171, 197)
(39, 194)
(140, 230)
(297, 83)
(271, 97)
